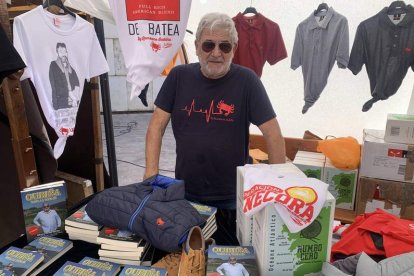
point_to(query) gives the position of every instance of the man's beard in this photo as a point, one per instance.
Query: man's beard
(212, 71)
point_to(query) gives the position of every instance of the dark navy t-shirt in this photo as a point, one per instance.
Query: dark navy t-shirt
(210, 121)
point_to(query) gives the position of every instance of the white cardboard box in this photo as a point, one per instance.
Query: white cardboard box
(281, 253)
(400, 128)
(245, 223)
(310, 167)
(342, 185)
(310, 155)
(385, 160)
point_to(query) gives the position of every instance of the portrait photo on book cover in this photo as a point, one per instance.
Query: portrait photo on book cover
(48, 219)
(231, 260)
(63, 80)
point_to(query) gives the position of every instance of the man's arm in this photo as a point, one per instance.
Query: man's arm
(274, 141)
(36, 219)
(244, 270)
(58, 220)
(155, 132)
(220, 269)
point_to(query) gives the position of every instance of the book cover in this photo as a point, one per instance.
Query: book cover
(81, 219)
(133, 270)
(19, 261)
(118, 237)
(5, 273)
(110, 269)
(224, 260)
(51, 247)
(206, 212)
(44, 209)
(70, 268)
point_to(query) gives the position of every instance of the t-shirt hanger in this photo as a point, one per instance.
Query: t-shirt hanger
(57, 3)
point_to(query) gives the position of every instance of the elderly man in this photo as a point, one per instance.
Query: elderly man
(48, 219)
(232, 268)
(211, 105)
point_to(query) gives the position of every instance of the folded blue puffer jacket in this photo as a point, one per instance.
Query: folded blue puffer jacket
(154, 209)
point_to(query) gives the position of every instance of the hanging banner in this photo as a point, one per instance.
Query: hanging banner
(99, 9)
(150, 33)
(297, 200)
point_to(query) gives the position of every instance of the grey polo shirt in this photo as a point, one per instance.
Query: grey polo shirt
(386, 49)
(318, 43)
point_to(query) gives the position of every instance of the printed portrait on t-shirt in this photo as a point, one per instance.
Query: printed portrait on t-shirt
(63, 80)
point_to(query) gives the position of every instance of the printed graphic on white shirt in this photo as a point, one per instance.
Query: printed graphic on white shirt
(297, 200)
(150, 34)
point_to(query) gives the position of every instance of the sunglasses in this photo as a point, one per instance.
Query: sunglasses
(209, 46)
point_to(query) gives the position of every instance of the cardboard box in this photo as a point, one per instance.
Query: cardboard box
(390, 161)
(310, 167)
(392, 196)
(400, 128)
(310, 155)
(280, 252)
(342, 185)
(244, 226)
(77, 187)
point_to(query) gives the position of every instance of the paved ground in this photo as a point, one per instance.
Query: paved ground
(129, 132)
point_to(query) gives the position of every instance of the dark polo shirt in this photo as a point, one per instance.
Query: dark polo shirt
(260, 40)
(386, 47)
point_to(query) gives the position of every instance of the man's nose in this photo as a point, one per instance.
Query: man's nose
(216, 51)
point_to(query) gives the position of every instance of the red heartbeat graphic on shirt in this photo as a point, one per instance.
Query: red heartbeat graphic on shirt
(222, 109)
(408, 50)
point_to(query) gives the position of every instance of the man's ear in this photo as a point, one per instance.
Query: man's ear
(196, 46)
(235, 47)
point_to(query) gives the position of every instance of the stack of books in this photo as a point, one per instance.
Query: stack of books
(80, 226)
(121, 246)
(51, 248)
(209, 214)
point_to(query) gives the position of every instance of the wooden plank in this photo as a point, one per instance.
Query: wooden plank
(21, 141)
(97, 135)
(292, 145)
(345, 216)
(4, 18)
(78, 188)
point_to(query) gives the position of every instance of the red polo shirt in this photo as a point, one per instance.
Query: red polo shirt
(260, 40)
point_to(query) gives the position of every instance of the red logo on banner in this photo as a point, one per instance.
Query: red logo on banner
(395, 153)
(159, 10)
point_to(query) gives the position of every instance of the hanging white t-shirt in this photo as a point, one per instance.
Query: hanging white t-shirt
(61, 52)
(150, 33)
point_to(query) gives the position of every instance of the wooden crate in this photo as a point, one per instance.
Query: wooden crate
(391, 193)
(78, 188)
